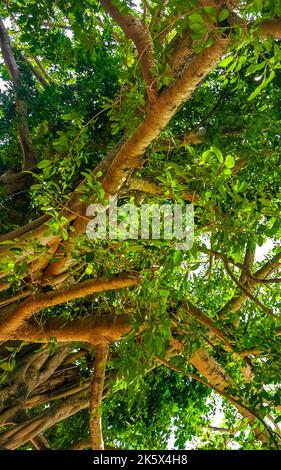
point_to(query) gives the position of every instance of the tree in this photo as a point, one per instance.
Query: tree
(125, 343)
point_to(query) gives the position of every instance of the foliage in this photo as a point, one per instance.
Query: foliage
(94, 96)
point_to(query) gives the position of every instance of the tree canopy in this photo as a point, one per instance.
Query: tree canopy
(131, 343)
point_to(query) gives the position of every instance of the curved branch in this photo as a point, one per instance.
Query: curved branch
(13, 319)
(139, 33)
(26, 431)
(241, 286)
(236, 302)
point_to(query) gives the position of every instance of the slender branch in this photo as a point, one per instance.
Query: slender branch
(196, 313)
(220, 381)
(267, 310)
(36, 73)
(247, 275)
(44, 72)
(146, 186)
(270, 266)
(25, 228)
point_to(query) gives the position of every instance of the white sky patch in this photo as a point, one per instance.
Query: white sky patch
(2, 84)
(262, 251)
(68, 33)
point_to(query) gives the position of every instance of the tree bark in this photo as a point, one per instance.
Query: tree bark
(96, 396)
(29, 157)
(13, 319)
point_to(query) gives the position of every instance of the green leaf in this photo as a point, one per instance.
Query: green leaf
(270, 77)
(218, 154)
(226, 61)
(196, 18)
(211, 11)
(64, 234)
(44, 164)
(90, 257)
(177, 258)
(223, 14)
(255, 93)
(258, 5)
(229, 161)
(164, 293)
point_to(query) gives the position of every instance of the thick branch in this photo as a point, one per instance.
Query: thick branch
(248, 260)
(271, 28)
(130, 156)
(181, 52)
(29, 157)
(139, 33)
(89, 330)
(8, 56)
(40, 442)
(11, 320)
(96, 396)
(23, 433)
